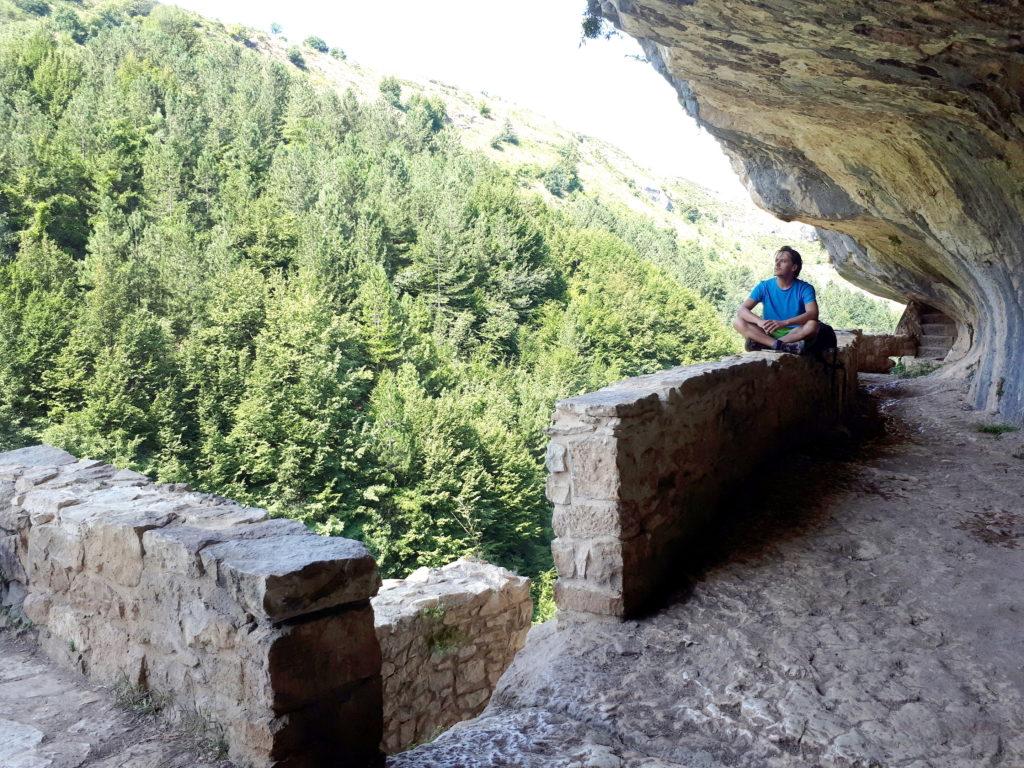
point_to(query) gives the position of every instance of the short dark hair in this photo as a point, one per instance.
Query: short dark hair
(794, 256)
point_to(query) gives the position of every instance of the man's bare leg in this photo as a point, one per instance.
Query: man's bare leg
(806, 331)
(753, 332)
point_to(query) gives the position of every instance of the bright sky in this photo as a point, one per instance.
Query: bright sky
(527, 53)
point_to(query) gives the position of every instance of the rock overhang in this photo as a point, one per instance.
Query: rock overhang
(896, 128)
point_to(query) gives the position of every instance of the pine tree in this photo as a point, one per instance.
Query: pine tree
(295, 443)
(38, 308)
(121, 411)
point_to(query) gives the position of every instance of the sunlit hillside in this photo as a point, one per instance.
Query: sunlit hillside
(733, 235)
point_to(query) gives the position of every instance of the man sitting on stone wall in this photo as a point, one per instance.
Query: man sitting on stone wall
(790, 320)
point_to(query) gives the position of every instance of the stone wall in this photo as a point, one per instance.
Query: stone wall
(447, 635)
(637, 468)
(875, 350)
(256, 626)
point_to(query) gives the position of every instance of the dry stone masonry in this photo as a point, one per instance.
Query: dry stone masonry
(895, 127)
(260, 628)
(447, 635)
(876, 350)
(254, 627)
(637, 468)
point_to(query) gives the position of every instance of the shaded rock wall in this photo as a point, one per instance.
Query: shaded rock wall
(255, 625)
(637, 468)
(896, 127)
(447, 635)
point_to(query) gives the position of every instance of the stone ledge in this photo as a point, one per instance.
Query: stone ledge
(260, 626)
(446, 636)
(636, 469)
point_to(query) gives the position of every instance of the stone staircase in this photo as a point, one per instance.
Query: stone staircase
(938, 332)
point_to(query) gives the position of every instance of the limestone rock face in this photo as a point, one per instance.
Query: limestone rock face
(897, 128)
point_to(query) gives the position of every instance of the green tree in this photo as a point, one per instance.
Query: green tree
(562, 178)
(295, 445)
(317, 43)
(295, 57)
(124, 401)
(38, 308)
(391, 90)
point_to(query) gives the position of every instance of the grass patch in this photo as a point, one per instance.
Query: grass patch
(14, 620)
(996, 429)
(208, 736)
(913, 370)
(441, 638)
(137, 699)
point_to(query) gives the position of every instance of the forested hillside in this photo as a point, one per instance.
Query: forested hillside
(219, 271)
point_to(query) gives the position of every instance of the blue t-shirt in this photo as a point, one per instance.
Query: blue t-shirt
(782, 304)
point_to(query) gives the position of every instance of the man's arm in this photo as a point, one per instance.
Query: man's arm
(810, 313)
(745, 313)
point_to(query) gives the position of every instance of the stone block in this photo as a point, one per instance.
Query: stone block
(36, 608)
(592, 466)
(113, 543)
(283, 577)
(54, 553)
(554, 459)
(30, 478)
(225, 516)
(470, 675)
(345, 730)
(563, 552)
(309, 660)
(475, 701)
(557, 489)
(10, 558)
(177, 548)
(594, 518)
(36, 456)
(580, 596)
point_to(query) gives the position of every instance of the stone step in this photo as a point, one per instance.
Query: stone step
(934, 317)
(938, 329)
(933, 353)
(937, 341)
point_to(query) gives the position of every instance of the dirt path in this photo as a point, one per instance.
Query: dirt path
(865, 611)
(51, 718)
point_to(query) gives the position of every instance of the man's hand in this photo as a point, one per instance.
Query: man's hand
(770, 326)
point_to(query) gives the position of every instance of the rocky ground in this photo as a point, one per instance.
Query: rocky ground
(861, 607)
(50, 718)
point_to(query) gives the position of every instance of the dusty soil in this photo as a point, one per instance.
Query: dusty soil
(52, 718)
(861, 609)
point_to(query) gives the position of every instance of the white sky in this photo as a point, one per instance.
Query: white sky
(527, 53)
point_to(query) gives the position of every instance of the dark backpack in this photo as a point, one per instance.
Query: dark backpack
(823, 342)
(825, 348)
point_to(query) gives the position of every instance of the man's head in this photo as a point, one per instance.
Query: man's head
(788, 263)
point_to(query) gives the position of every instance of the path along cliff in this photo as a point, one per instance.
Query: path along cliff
(862, 607)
